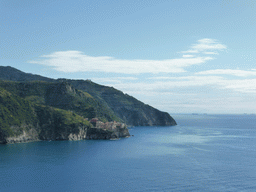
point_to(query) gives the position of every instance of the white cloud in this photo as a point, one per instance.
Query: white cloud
(206, 46)
(187, 56)
(196, 84)
(76, 61)
(114, 79)
(230, 104)
(211, 94)
(162, 78)
(235, 72)
(211, 53)
(243, 86)
(190, 51)
(168, 83)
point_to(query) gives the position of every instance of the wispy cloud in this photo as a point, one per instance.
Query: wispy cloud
(211, 53)
(187, 56)
(244, 86)
(203, 83)
(76, 61)
(114, 79)
(163, 84)
(235, 72)
(206, 46)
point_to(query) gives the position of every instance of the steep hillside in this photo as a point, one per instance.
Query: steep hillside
(22, 121)
(86, 98)
(12, 74)
(16, 115)
(60, 95)
(126, 107)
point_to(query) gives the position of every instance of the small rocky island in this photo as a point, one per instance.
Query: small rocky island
(34, 108)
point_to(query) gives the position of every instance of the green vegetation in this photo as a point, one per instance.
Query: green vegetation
(58, 123)
(18, 114)
(14, 112)
(125, 107)
(61, 95)
(56, 108)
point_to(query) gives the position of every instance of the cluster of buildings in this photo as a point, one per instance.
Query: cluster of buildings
(113, 125)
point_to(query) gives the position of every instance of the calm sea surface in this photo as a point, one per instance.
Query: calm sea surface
(202, 153)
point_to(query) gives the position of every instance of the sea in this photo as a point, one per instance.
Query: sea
(202, 153)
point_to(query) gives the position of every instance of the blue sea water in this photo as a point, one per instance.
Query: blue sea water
(201, 153)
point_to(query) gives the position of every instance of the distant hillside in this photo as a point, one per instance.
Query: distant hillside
(85, 98)
(12, 74)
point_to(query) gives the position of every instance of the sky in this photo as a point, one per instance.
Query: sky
(179, 56)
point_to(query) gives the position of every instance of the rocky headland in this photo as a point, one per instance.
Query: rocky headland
(34, 108)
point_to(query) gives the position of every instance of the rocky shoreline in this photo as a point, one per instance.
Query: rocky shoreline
(94, 133)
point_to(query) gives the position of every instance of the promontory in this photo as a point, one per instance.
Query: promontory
(34, 108)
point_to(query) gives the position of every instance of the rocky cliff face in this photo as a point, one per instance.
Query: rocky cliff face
(26, 136)
(96, 133)
(32, 135)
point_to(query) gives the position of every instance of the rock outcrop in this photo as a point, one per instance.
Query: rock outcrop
(97, 133)
(83, 134)
(25, 136)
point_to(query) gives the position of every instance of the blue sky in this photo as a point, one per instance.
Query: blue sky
(179, 56)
